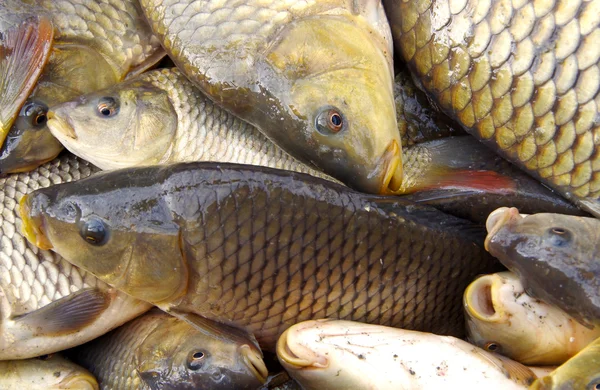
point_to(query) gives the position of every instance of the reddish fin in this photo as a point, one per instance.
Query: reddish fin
(487, 181)
(24, 51)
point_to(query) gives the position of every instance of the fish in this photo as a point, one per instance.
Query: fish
(160, 117)
(46, 304)
(329, 354)
(554, 256)
(26, 36)
(502, 318)
(261, 249)
(316, 78)
(45, 373)
(523, 77)
(159, 351)
(579, 372)
(96, 43)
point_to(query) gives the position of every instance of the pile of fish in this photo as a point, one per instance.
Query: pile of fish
(295, 194)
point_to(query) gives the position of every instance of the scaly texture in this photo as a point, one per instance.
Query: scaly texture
(524, 76)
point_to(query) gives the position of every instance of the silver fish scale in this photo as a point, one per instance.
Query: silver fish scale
(205, 132)
(31, 278)
(117, 28)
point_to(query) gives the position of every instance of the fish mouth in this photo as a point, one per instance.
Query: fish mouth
(497, 219)
(479, 299)
(59, 126)
(32, 225)
(79, 381)
(255, 363)
(390, 165)
(295, 354)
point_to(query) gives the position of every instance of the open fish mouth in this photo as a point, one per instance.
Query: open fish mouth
(479, 299)
(255, 363)
(33, 225)
(497, 219)
(79, 381)
(59, 126)
(295, 354)
(390, 167)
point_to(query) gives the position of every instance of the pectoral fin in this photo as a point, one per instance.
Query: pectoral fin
(66, 315)
(24, 51)
(148, 64)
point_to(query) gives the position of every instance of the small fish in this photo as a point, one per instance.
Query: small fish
(502, 318)
(159, 351)
(45, 373)
(261, 248)
(316, 77)
(581, 372)
(555, 256)
(326, 354)
(47, 304)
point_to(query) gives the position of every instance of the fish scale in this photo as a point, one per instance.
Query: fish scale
(522, 76)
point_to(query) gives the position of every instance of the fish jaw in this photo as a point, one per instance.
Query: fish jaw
(391, 169)
(292, 354)
(481, 300)
(82, 381)
(30, 212)
(60, 127)
(254, 362)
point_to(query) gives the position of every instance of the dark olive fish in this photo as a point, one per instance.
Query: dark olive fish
(522, 76)
(555, 257)
(262, 249)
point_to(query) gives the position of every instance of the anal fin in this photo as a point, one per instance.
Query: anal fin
(68, 314)
(24, 50)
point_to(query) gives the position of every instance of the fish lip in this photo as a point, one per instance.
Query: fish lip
(290, 357)
(79, 381)
(485, 284)
(496, 220)
(254, 362)
(58, 125)
(32, 226)
(390, 164)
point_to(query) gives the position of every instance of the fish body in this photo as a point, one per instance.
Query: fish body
(47, 373)
(315, 77)
(46, 304)
(96, 44)
(522, 76)
(159, 351)
(555, 256)
(579, 372)
(502, 318)
(260, 248)
(326, 354)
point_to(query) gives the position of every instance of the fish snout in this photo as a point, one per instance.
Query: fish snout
(82, 381)
(499, 218)
(292, 353)
(254, 361)
(61, 124)
(479, 299)
(386, 178)
(31, 211)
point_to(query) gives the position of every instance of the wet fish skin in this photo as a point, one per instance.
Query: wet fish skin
(315, 77)
(326, 354)
(555, 257)
(502, 318)
(297, 247)
(96, 44)
(156, 351)
(36, 283)
(524, 77)
(45, 373)
(579, 372)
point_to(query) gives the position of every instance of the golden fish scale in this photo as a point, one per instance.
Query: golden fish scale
(477, 57)
(206, 132)
(269, 260)
(116, 28)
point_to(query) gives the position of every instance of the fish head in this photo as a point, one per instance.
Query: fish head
(131, 124)
(129, 242)
(177, 355)
(29, 143)
(552, 254)
(339, 102)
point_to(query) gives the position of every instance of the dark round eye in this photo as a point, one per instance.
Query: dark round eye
(195, 360)
(34, 114)
(108, 107)
(559, 237)
(492, 347)
(95, 232)
(330, 121)
(594, 384)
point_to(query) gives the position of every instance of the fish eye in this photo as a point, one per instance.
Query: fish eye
(558, 236)
(594, 384)
(35, 113)
(108, 107)
(330, 120)
(94, 232)
(196, 359)
(492, 346)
